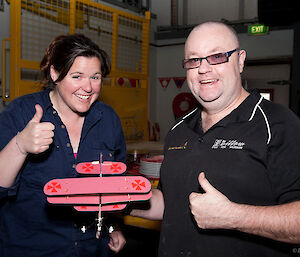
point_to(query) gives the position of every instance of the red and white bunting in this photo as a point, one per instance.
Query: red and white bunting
(133, 82)
(179, 81)
(164, 82)
(121, 81)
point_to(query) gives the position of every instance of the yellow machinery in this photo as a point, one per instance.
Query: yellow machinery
(124, 36)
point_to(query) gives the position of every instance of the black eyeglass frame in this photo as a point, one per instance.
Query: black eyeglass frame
(227, 55)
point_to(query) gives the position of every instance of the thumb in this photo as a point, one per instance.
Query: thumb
(204, 183)
(38, 114)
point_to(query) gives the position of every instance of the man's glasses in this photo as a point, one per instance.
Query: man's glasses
(212, 60)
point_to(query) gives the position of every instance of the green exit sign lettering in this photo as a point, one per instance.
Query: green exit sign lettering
(258, 29)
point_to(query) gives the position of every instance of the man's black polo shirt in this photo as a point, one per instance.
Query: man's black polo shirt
(252, 156)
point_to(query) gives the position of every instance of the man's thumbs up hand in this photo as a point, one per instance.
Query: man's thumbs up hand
(37, 136)
(211, 209)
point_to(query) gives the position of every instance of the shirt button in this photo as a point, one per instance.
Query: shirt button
(62, 126)
(68, 144)
(74, 166)
(110, 154)
(54, 112)
(57, 146)
(75, 243)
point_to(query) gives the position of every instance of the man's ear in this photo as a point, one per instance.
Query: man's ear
(242, 58)
(53, 73)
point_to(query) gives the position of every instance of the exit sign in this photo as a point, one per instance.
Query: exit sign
(258, 29)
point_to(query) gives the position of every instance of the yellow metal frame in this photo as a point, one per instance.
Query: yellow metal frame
(128, 102)
(4, 68)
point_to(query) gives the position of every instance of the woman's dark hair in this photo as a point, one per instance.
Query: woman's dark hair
(62, 52)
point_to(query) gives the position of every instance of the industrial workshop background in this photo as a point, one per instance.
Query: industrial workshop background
(123, 35)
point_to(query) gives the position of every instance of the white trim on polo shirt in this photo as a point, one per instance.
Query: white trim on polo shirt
(182, 119)
(265, 117)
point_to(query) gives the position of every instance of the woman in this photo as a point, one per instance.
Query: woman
(43, 136)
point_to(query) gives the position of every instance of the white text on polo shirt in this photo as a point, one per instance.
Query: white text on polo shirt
(230, 144)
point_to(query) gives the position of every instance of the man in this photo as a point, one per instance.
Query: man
(230, 180)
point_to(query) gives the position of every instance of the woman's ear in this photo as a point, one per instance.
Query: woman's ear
(53, 73)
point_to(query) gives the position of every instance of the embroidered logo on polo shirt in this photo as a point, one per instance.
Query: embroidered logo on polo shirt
(228, 144)
(180, 147)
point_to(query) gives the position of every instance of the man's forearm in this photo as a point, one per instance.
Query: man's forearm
(156, 210)
(281, 222)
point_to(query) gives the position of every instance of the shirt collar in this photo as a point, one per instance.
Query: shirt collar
(244, 110)
(94, 113)
(93, 116)
(240, 114)
(46, 99)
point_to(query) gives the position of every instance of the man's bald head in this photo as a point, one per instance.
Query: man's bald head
(210, 24)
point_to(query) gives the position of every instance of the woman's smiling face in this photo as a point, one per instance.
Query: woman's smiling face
(81, 86)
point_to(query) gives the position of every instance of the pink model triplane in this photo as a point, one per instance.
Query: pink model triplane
(100, 193)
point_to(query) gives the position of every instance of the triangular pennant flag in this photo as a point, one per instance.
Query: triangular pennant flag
(164, 82)
(179, 81)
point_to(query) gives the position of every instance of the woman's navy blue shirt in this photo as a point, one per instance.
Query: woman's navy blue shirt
(29, 226)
